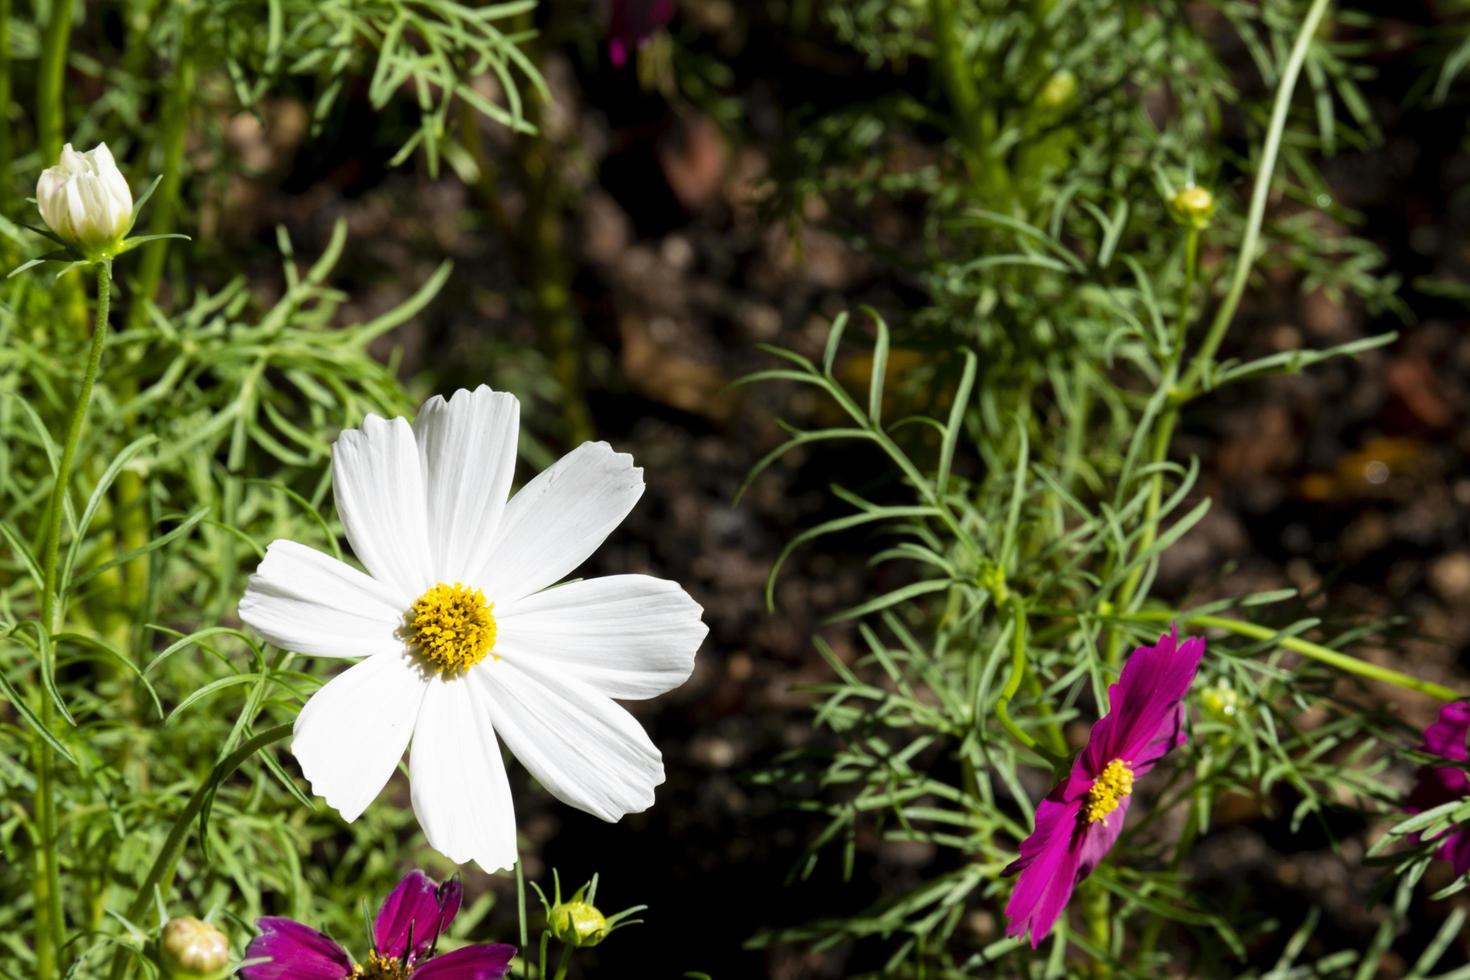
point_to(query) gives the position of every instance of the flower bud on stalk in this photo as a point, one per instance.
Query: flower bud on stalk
(85, 200)
(578, 924)
(1193, 206)
(191, 949)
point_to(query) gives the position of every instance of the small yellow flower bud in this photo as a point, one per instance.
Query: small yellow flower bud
(1059, 91)
(578, 924)
(1220, 702)
(85, 199)
(1193, 206)
(191, 949)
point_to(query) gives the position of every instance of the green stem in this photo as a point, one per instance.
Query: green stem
(1055, 757)
(50, 918)
(7, 143)
(164, 205)
(1312, 651)
(1259, 193)
(168, 854)
(51, 80)
(976, 128)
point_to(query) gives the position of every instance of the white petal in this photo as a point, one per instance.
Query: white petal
(628, 636)
(379, 486)
(352, 732)
(302, 600)
(559, 518)
(468, 449)
(581, 745)
(460, 791)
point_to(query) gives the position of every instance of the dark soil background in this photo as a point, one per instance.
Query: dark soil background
(1348, 482)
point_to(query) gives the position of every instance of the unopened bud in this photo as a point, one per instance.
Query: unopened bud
(1193, 206)
(578, 924)
(1220, 702)
(191, 949)
(1059, 91)
(85, 199)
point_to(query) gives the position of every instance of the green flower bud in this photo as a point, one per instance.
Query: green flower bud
(578, 924)
(1220, 702)
(191, 949)
(1193, 206)
(1059, 91)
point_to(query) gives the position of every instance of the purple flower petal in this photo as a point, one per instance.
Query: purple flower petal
(293, 951)
(1446, 737)
(1456, 850)
(631, 23)
(1048, 866)
(488, 961)
(1145, 719)
(449, 896)
(411, 908)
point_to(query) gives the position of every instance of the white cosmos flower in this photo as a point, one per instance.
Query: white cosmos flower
(85, 199)
(462, 634)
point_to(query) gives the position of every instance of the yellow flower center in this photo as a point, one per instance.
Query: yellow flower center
(451, 627)
(1108, 790)
(379, 968)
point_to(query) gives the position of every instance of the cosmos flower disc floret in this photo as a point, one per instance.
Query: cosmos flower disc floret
(1078, 821)
(464, 640)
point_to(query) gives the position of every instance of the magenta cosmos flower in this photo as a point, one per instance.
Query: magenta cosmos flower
(1437, 785)
(405, 935)
(630, 23)
(1078, 821)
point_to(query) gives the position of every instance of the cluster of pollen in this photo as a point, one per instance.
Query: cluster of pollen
(1107, 791)
(451, 627)
(379, 968)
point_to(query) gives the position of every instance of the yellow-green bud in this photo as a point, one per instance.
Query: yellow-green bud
(578, 924)
(1059, 91)
(1193, 206)
(1220, 702)
(191, 949)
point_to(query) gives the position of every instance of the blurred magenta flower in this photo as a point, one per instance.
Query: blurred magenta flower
(631, 23)
(1437, 785)
(1079, 820)
(405, 935)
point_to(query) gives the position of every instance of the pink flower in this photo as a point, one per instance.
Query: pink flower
(405, 937)
(631, 23)
(1437, 785)
(1079, 820)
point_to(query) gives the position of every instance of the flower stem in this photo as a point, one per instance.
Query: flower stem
(974, 125)
(1262, 189)
(50, 919)
(51, 79)
(1054, 755)
(1313, 651)
(168, 854)
(164, 205)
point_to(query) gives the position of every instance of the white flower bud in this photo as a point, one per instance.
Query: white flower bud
(85, 199)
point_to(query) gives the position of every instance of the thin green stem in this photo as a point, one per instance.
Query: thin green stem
(50, 917)
(168, 854)
(51, 80)
(1259, 193)
(1313, 651)
(975, 126)
(164, 205)
(1056, 759)
(7, 142)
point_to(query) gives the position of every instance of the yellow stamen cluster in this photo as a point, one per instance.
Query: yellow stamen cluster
(379, 968)
(1108, 790)
(451, 627)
